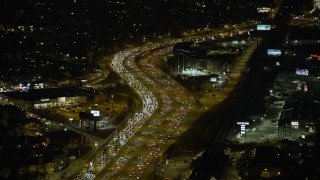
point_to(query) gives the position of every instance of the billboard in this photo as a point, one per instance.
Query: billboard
(213, 79)
(274, 52)
(95, 113)
(302, 72)
(263, 27)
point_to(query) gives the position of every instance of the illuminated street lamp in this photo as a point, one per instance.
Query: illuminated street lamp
(112, 101)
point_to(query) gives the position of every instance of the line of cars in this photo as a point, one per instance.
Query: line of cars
(131, 159)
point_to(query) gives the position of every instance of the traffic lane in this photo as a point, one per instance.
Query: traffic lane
(114, 166)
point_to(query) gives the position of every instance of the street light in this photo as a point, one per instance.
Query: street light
(112, 101)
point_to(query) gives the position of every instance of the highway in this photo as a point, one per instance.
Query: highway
(161, 129)
(166, 112)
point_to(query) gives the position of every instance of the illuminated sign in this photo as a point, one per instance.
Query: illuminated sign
(44, 100)
(263, 27)
(274, 52)
(242, 127)
(302, 72)
(315, 56)
(38, 86)
(264, 10)
(295, 124)
(243, 123)
(95, 113)
(213, 79)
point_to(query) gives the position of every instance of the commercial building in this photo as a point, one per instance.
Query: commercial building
(206, 61)
(204, 56)
(55, 97)
(301, 113)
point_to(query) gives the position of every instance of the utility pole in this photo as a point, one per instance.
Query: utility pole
(112, 101)
(182, 62)
(178, 62)
(81, 133)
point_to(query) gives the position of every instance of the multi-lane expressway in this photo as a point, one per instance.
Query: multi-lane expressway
(166, 112)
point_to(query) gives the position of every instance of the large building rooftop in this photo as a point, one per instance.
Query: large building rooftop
(38, 94)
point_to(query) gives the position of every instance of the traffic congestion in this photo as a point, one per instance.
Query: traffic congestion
(145, 135)
(159, 129)
(156, 130)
